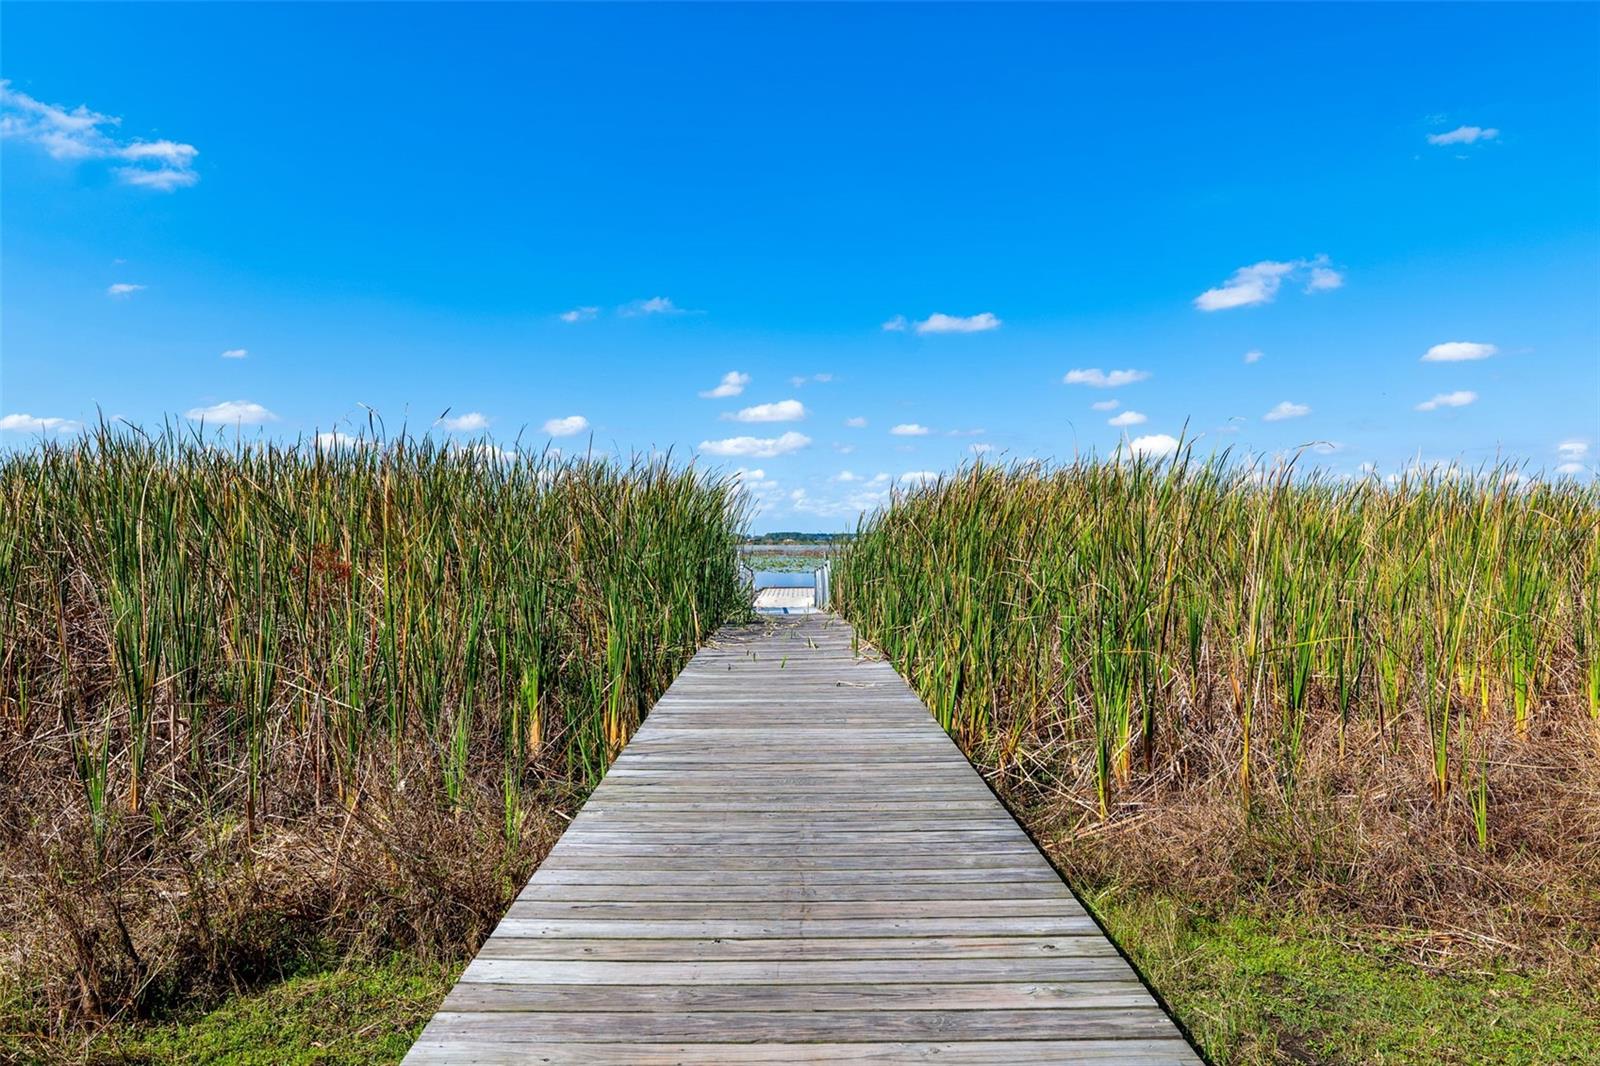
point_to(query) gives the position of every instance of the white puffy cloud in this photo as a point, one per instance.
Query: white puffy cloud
(846, 476)
(897, 324)
(732, 384)
(491, 451)
(236, 353)
(333, 440)
(163, 165)
(865, 495)
(1249, 285)
(1096, 378)
(1155, 446)
(918, 477)
(569, 426)
(1323, 279)
(655, 305)
(910, 429)
(122, 288)
(1252, 356)
(1448, 399)
(782, 411)
(940, 323)
(232, 412)
(578, 314)
(761, 489)
(164, 179)
(471, 422)
(1286, 410)
(1458, 352)
(1571, 468)
(64, 134)
(1464, 135)
(1106, 405)
(25, 423)
(982, 449)
(856, 423)
(756, 447)
(1572, 451)
(1259, 283)
(79, 134)
(1127, 418)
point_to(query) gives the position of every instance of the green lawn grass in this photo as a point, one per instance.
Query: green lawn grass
(357, 1015)
(1255, 987)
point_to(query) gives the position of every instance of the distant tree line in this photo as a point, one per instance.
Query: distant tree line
(789, 537)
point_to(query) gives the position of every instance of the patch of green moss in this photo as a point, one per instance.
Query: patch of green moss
(1255, 987)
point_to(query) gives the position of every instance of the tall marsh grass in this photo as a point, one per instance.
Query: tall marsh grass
(259, 700)
(1385, 694)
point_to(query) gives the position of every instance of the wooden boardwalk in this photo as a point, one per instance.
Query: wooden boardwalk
(790, 862)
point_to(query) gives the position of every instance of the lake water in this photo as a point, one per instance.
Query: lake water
(784, 579)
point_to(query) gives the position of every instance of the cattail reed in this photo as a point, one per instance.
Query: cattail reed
(222, 658)
(1106, 608)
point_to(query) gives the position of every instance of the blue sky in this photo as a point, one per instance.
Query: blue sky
(972, 223)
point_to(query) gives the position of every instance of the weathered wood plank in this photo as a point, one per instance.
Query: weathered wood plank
(489, 1051)
(707, 910)
(836, 949)
(818, 927)
(802, 971)
(750, 845)
(736, 1027)
(644, 875)
(1074, 995)
(576, 859)
(790, 862)
(876, 892)
(877, 830)
(821, 812)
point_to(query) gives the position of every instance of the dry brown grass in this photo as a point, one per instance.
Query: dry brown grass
(1362, 841)
(163, 916)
